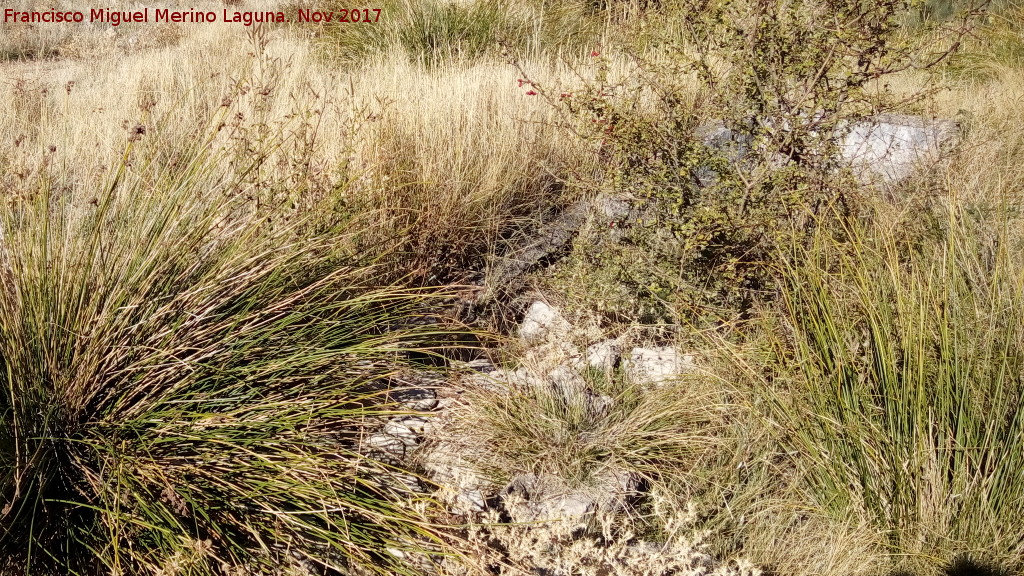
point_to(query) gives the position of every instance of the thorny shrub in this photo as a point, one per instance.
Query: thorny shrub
(727, 141)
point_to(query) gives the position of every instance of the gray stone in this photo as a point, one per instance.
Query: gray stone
(657, 365)
(542, 322)
(416, 399)
(565, 381)
(889, 147)
(548, 498)
(892, 146)
(387, 444)
(735, 145)
(480, 365)
(526, 380)
(422, 405)
(496, 381)
(470, 500)
(507, 275)
(418, 426)
(504, 381)
(545, 498)
(612, 207)
(614, 487)
(446, 403)
(460, 482)
(399, 430)
(603, 355)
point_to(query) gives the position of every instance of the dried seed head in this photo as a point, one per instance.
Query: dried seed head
(136, 132)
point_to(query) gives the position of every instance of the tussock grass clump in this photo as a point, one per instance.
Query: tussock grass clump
(581, 429)
(997, 46)
(903, 397)
(185, 381)
(432, 32)
(459, 176)
(444, 31)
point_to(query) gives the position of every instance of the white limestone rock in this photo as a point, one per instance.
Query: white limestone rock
(613, 207)
(886, 147)
(548, 498)
(416, 426)
(545, 498)
(462, 486)
(603, 355)
(388, 444)
(565, 380)
(657, 365)
(892, 146)
(543, 322)
(400, 430)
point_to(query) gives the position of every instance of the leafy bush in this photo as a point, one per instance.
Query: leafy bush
(729, 138)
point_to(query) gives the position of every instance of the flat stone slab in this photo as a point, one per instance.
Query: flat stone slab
(886, 148)
(893, 146)
(542, 322)
(657, 365)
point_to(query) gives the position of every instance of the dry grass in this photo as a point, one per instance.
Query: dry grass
(581, 427)
(447, 160)
(53, 41)
(432, 167)
(167, 341)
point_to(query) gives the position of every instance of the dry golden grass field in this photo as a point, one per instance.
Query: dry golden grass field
(229, 254)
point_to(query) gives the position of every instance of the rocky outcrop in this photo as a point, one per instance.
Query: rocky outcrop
(891, 146)
(548, 498)
(542, 322)
(657, 365)
(539, 521)
(554, 365)
(887, 148)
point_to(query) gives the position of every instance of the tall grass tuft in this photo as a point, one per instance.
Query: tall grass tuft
(443, 32)
(431, 32)
(907, 403)
(185, 377)
(996, 47)
(582, 429)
